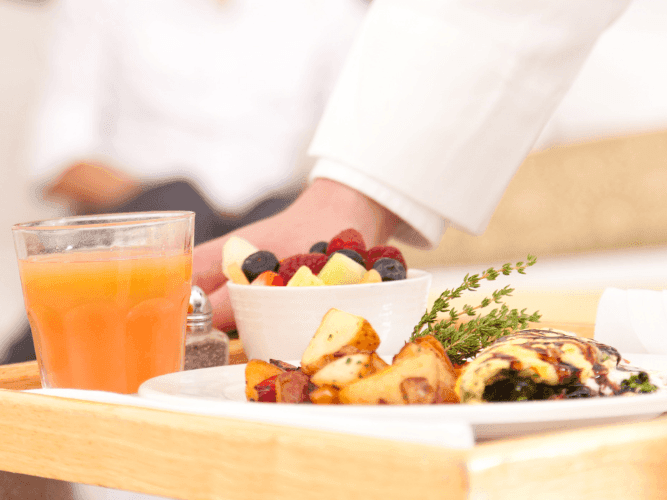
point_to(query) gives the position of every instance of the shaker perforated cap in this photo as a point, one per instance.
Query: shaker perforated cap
(200, 308)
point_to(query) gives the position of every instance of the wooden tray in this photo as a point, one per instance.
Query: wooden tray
(200, 457)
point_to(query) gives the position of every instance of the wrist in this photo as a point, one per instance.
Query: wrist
(335, 207)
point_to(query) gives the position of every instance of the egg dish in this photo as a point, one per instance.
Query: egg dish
(543, 364)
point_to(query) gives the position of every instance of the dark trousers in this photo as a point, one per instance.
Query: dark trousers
(177, 195)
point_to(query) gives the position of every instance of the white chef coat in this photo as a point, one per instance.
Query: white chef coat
(441, 100)
(222, 92)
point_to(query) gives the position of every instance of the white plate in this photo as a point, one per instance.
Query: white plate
(223, 388)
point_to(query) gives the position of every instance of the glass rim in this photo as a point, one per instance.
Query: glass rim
(106, 220)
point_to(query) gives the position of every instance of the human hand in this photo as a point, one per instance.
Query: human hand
(322, 211)
(90, 186)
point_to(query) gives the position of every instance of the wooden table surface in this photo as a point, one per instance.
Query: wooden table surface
(22, 376)
(204, 457)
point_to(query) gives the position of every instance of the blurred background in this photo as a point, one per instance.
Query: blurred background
(592, 190)
(121, 106)
(589, 201)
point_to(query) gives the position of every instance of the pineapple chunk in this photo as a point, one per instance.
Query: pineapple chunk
(338, 329)
(371, 276)
(341, 270)
(304, 277)
(236, 275)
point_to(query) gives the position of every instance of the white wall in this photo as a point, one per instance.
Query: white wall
(620, 89)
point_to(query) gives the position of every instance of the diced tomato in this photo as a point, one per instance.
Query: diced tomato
(266, 390)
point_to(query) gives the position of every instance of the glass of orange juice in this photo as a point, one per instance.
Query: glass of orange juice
(107, 296)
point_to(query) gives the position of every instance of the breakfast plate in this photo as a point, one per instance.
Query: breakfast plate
(223, 389)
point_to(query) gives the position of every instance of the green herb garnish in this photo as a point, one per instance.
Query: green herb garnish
(639, 383)
(464, 339)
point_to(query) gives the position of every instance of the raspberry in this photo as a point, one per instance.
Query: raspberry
(381, 251)
(349, 238)
(289, 266)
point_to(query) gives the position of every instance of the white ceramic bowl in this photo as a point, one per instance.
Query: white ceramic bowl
(278, 322)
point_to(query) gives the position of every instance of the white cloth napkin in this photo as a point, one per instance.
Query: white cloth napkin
(633, 321)
(450, 434)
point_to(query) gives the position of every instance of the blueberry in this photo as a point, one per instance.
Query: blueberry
(319, 247)
(390, 269)
(258, 262)
(355, 256)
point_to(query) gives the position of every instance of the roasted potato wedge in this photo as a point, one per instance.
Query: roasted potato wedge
(417, 390)
(256, 371)
(283, 365)
(343, 371)
(346, 350)
(337, 330)
(409, 350)
(377, 362)
(389, 386)
(426, 342)
(433, 343)
(324, 395)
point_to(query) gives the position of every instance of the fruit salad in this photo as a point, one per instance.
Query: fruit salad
(344, 260)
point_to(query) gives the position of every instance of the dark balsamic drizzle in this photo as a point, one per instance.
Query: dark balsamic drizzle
(549, 345)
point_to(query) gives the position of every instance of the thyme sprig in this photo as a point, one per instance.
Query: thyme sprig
(463, 337)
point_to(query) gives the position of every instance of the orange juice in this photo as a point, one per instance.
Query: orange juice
(107, 323)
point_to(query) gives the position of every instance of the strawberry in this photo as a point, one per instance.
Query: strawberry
(314, 261)
(382, 251)
(349, 238)
(268, 278)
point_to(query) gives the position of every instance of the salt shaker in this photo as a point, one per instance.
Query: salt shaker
(205, 346)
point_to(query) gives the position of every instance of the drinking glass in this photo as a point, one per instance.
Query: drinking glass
(107, 296)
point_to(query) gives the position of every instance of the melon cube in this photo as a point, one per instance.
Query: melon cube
(341, 270)
(304, 277)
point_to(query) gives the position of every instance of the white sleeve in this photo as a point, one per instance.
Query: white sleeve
(420, 226)
(68, 122)
(441, 100)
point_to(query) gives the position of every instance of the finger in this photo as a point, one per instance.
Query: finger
(207, 265)
(223, 316)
